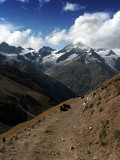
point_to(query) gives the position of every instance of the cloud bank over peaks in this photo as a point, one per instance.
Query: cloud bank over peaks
(93, 29)
(13, 36)
(56, 37)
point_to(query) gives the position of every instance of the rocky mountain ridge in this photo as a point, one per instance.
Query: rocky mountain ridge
(74, 64)
(48, 55)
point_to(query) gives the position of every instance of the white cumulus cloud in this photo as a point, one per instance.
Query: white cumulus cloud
(56, 37)
(93, 29)
(1, 1)
(10, 34)
(72, 7)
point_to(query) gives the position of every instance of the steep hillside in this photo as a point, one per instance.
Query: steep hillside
(22, 98)
(53, 87)
(44, 83)
(90, 130)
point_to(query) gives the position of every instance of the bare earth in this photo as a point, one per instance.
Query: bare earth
(84, 133)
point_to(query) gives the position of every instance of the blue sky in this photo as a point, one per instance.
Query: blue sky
(53, 22)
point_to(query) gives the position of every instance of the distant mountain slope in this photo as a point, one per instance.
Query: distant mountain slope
(44, 83)
(54, 87)
(90, 130)
(19, 103)
(47, 57)
(22, 98)
(84, 72)
(79, 67)
(5, 48)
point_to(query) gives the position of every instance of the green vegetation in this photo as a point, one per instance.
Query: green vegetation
(117, 134)
(49, 131)
(103, 133)
(88, 151)
(98, 103)
(103, 143)
(101, 109)
(105, 123)
(2, 150)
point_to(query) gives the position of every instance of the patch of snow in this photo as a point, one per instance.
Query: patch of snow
(69, 47)
(94, 59)
(52, 57)
(26, 51)
(72, 57)
(3, 54)
(89, 53)
(117, 51)
(10, 56)
(110, 60)
(90, 59)
(81, 46)
(77, 45)
(103, 52)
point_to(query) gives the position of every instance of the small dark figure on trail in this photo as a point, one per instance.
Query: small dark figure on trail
(93, 94)
(67, 106)
(82, 96)
(63, 109)
(102, 87)
(4, 140)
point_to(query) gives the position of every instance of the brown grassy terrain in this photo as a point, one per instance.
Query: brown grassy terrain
(90, 130)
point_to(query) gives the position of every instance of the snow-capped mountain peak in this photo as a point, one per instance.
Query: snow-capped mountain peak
(47, 56)
(81, 46)
(110, 53)
(110, 57)
(76, 46)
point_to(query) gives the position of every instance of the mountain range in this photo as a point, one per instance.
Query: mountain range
(32, 82)
(78, 67)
